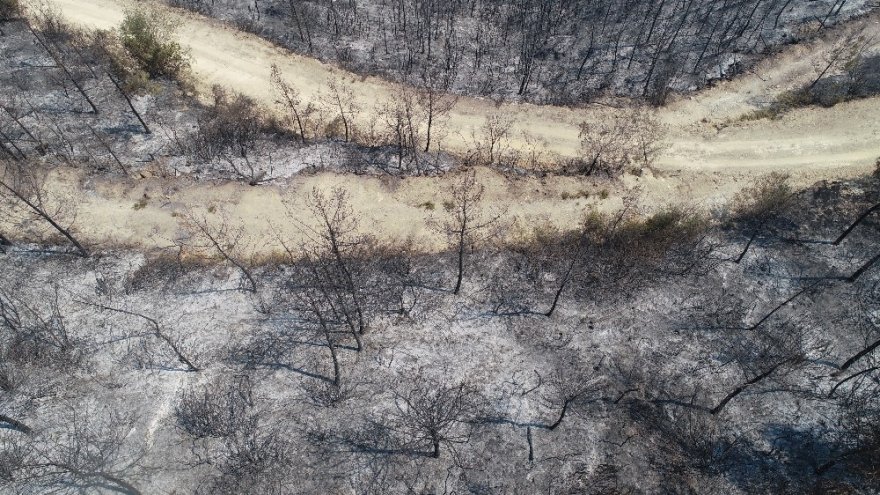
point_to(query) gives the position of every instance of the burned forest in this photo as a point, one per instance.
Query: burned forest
(370, 268)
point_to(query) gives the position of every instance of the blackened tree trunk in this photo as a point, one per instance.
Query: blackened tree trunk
(41, 212)
(15, 424)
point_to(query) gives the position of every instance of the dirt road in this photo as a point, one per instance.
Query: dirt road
(812, 139)
(706, 161)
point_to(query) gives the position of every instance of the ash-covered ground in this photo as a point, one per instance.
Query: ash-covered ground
(734, 354)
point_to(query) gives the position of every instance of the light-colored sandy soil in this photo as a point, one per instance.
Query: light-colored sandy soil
(707, 158)
(222, 55)
(391, 209)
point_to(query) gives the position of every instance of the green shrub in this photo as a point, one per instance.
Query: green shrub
(795, 98)
(9, 10)
(674, 223)
(147, 37)
(139, 82)
(665, 227)
(128, 71)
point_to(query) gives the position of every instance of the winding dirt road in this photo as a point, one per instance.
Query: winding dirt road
(707, 160)
(841, 137)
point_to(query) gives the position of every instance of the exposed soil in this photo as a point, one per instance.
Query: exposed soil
(230, 58)
(707, 159)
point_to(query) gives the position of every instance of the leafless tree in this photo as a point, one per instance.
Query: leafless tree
(763, 354)
(156, 331)
(16, 114)
(431, 414)
(756, 206)
(254, 460)
(648, 136)
(467, 221)
(858, 221)
(341, 99)
(24, 188)
(869, 325)
(316, 313)
(403, 120)
(335, 237)
(231, 130)
(491, 141)
(863, 269)
(228, 430)
(329, 339)
(571, 384)
(513, 49)
(222, 240)
(106, 145)
(858, 441)
(130, 104)
(845, 53)
(219, 409)
(35, 330)
(15, 424)
(12, 457)
(60, 63)
(437, 104)
(88, 448)
(593, 230)
(683, 443)
(610, 144)
(329, 302)
(291, 101)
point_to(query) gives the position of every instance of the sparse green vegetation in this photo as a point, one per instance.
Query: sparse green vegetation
(582, 194)
(859, 80)
(767, 196)
(148, 37)
(665, 228)
(783, 103)
(142, 203)
(756, 207)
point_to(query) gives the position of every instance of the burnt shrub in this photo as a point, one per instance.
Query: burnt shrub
(9, 10)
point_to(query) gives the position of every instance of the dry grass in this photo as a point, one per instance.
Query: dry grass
(785, 102)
